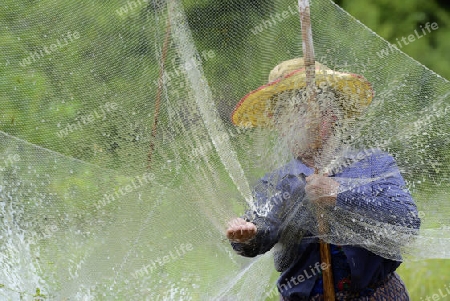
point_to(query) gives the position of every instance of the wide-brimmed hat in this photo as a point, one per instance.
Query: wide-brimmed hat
(257, 107)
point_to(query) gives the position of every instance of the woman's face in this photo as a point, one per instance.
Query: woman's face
(305, 132)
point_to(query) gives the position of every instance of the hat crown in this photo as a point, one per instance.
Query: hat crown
(284, 68)
(354, 92)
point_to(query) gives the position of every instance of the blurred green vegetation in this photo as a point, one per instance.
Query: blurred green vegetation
(394, 20)
(39, 100)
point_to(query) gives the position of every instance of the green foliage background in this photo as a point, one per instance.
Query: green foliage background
(393, 20)
(44, 100)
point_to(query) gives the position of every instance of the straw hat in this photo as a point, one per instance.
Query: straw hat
(257, 107)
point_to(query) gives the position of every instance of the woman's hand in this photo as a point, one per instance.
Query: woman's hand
(321, 189)
(241, 231)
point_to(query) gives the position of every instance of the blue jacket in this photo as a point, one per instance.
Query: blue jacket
(379, 194)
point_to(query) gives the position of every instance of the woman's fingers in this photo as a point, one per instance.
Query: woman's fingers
(320, 186)
(322, 189)
(240, 230)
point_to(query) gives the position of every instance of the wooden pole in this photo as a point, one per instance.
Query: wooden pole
(310, 68)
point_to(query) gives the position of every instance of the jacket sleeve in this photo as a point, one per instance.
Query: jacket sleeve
(273, 202)
(384, 198)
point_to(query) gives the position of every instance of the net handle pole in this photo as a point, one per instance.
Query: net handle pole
(310, 68)
(308, 47)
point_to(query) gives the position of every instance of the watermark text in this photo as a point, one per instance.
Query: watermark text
(47, 50)
(407, 40)
(173, 255)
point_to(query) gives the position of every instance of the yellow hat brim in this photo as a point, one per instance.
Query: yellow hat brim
(256, 108)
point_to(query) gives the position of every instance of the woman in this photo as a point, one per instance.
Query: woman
(365, 185)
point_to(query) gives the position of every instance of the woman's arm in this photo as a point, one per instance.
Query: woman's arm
(273, 204)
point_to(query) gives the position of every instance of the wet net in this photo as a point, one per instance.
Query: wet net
(120, 164)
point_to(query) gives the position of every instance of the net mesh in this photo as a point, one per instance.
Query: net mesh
(120, 166)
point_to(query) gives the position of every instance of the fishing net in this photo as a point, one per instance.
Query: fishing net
(120, 164)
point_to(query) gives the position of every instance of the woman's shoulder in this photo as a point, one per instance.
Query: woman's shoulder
(361, 159)
(369, 155)
(294, 167)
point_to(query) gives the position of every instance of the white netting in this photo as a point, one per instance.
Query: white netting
(120, 166)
